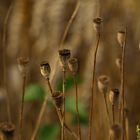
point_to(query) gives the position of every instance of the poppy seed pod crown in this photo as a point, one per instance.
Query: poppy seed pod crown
(73, 65)
(97, 24)
(45, 69)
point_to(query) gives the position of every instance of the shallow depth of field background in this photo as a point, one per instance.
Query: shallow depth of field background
(35, 28)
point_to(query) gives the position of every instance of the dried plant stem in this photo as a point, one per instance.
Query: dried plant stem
(113, 114)
(107, 110)
(39, 118)
(22, 109)
(92, 88)
(122, 86)
(77, 108)
(69, 23)
(4, 39)
(60, 114)
(63, 110)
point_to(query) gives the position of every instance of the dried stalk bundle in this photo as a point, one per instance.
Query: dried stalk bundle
(121, 37)
(103, 83)
(7, 129)
(45, 69)
(58, 98)
(73, 65)
(64, 56)
(23, 65)
(97, 24)
(115, 132)
(114, 96)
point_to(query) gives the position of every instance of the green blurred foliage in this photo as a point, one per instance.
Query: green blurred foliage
(34, 92)
(49, 132)
(69, 83)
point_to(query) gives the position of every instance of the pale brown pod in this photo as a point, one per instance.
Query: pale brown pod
(58, 99)
(114, 96)
(64, 56)
(118, 62)
(121, 37)
(73, 65)
(115, 132)
(103, 83)
(23, 64)
(45, 69)
(97, 24)
(7, 129)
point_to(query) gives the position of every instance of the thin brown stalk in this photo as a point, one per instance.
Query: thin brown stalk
(39, 118)
(63, 110)
(70, 22)
(77, 108)
(92, 88)
(107, 110)
(4, 40)
(123, 84)
(21, 116)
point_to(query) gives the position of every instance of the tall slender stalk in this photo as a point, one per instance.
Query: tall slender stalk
(77, 108)
(4, 40)
(21, 116)
(113, 113)
(39, 118)
(123, 84)
(92, 88)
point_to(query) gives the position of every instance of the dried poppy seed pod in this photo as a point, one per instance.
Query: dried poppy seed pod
(58, 98)
(97, 24)
(7, 129)
(64, 56)
(114, 96)
(118, 62)
(23, 64)
(45, 69)
(115, 132)
(73, 65)
(121, 37)
(103, 83)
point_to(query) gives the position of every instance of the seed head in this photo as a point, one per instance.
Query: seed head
(73, 65)
(103, 83)
(23, 64)
(45, 69)
(64, 56)
(97, 24)
(114, 96)
(7, 128)
(115, 132)
(58, 98)
(121, 37)
(118, 63)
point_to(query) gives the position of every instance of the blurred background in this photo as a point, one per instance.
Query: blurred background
(35, 29)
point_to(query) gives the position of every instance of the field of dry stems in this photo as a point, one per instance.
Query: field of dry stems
(69, 70)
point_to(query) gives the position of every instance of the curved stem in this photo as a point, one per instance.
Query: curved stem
(22, 109)
(77, 108)
(122, 85)
(92, 88)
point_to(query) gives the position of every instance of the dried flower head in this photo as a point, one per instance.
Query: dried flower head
(121, 37)
(45, 69)
(58, 98)
(97, 24)
(73, 65)
(118, 62)
(64, 56)
(103, 83)
(23, 64)
(7, 128)
(115, 132)
(114, 96)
